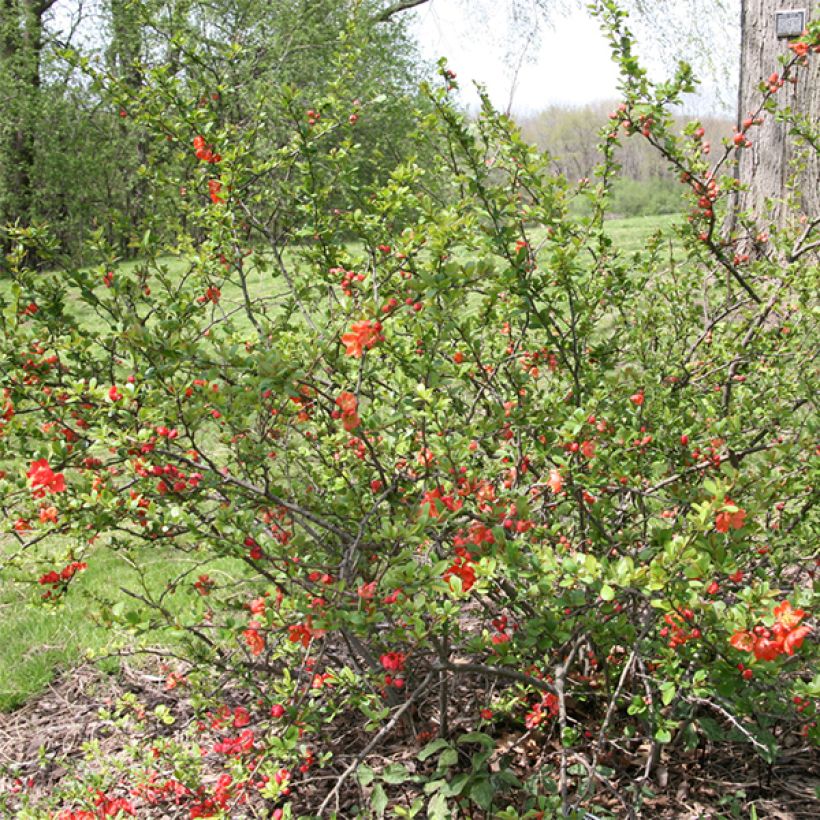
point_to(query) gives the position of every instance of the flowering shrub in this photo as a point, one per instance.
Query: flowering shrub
(503, 475)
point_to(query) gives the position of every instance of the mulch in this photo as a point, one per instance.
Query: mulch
(39, 742)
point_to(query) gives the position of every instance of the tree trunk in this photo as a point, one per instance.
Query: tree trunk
(775, 156)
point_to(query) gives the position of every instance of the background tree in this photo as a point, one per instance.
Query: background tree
(646, 185)
(21, 47)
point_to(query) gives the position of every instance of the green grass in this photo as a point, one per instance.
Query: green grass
(630, 235)
(40, 639)
(37, 641)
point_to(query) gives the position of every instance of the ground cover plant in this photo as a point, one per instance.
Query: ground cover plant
(505, 519)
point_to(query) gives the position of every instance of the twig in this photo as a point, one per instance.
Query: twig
(731, 718)
(496, 671)
(383, 732)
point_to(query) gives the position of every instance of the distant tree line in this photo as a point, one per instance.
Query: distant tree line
(571, 136)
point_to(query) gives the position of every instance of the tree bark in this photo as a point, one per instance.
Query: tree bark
(775, 156)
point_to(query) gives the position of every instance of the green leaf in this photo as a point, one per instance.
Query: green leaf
(663, 736)
(668, 690)
(449, 757)
(432, 747)
(378, 800)
(394, 774)
(476, 737)
(437, 808)
(365, 775)
(481, 793)
(607, 593)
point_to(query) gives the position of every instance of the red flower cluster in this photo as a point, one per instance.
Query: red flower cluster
(784, 637)
(214, 189)
(463, 568)
(302, 633)
(204, 584)
(112, 806)
(222, 795)
(393, 664)
(171, 478)
(676, 629)
(235, 746)
(548, 707)
(349, 279)
(362, 336)
(348, 406)
(212, 294)
(253, 638)
(435, 500)
(6, 409)
(204, 152)
(58, 579)
(43, 479)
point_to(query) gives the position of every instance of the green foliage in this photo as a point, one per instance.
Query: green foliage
(75, 151)
(486, 475)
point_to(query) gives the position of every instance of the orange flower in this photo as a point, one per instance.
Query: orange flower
(766, 649)
(556, 481)
(730, 517)
(744, 641)
(362, 336)
(348, 403)
(255, 642)
(786, 616)
(42, 477)
(794, 640)
(785, 636)
(48, 514)
(800, 49)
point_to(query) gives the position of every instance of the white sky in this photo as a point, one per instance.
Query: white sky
(571, 64)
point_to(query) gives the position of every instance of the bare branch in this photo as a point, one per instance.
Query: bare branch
(397, 8)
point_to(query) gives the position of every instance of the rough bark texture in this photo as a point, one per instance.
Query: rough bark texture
(766, 167)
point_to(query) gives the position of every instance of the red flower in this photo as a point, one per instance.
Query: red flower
(214, 188)
(348, 404)
(42, 478)
(556, 481)
(393, 661)
(362, 336)
(48, 514)
(255, 642)
(588, 448)
(794, 639)
(114, 394)
(241, 717)
(463, 569)
(800, 49)
(785, 636)
(786, 616)
(300, 633)
(744, 641)
(731, 516)
(766, 649)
